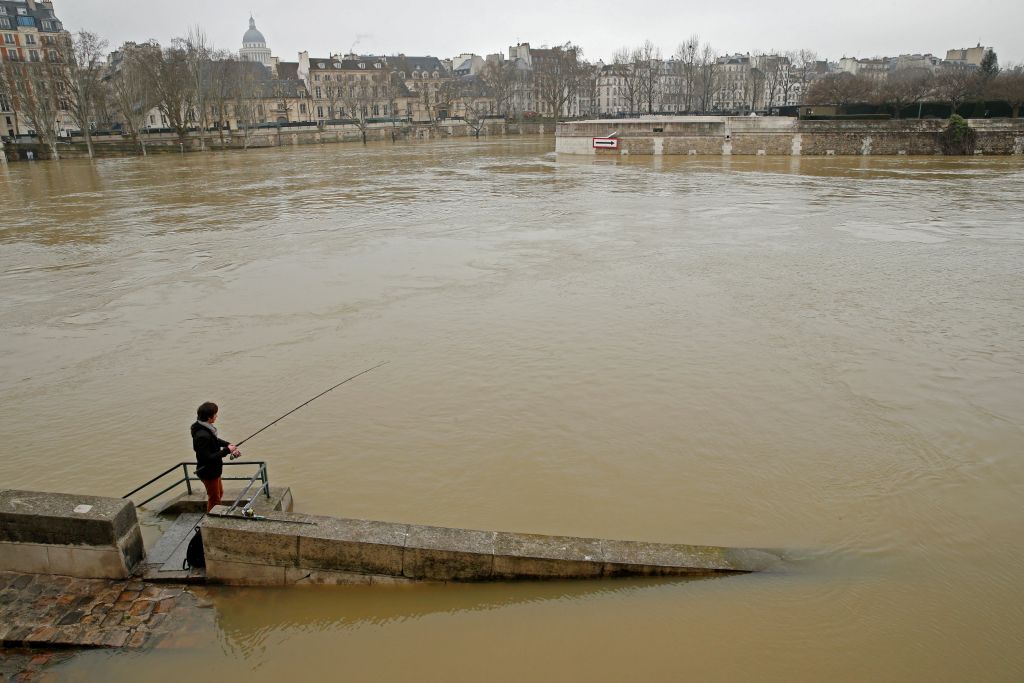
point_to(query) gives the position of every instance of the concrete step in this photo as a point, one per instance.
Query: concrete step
(171, 546)
(280, 500)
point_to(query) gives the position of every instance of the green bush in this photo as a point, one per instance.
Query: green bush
(958, 138)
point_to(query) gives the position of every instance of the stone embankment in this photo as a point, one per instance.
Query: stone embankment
(778, 136)
(286, 137)
(71, 535)
(305, 549)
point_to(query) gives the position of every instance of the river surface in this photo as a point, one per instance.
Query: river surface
(819, 355)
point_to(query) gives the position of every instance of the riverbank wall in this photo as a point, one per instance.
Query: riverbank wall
(93, 537)
(107, 146)
(69, 535)
(777, 136)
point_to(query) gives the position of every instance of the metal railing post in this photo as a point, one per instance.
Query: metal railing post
(188, 482)
(266, 479)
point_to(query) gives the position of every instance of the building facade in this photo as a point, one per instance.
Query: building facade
(29, 34)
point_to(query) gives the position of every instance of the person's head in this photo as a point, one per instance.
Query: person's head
(207, 412)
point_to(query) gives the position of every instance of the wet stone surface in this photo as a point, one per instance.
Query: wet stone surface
(44, 618)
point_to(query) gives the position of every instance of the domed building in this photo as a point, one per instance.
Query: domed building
(254, 46)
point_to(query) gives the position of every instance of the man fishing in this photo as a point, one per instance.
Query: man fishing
(210, 451)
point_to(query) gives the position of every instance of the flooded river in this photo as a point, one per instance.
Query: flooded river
(824, 356)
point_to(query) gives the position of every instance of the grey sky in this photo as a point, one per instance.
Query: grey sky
(865, 28)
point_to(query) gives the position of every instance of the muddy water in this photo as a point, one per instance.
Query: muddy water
(819, 355)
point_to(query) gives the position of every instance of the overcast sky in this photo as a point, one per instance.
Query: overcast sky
(865, 28)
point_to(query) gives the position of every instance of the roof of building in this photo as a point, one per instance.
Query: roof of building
(286, 70)
(253, 35)
(419, 63)
(16, 11)
(282, 87)
(346, 64)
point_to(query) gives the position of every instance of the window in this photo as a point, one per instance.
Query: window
(12, 55)
(5, 22)
(152, 119)
(47, 25)
(302, 108)
(319, 93)
(316, 77)
(3, 10)
(30, 39)
(33, 55)
(22, 11)
(9, 38)
(320, 112)
(5, 103)
(26, 21)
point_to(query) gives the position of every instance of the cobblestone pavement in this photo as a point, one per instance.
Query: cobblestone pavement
(42, 616)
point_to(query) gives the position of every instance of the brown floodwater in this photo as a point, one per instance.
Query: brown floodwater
(819, 355)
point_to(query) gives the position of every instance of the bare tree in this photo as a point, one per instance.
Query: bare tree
(333, 92)
(473, 100)
(38, 94)
(557, 77)
(168, 73)
(804, 71)
(756, 87)
(221, 87)
(904, 88)
(6, 104)
(647, 64)
(500, 78)
(956, 84)
(132, 93)
(198, 51)
(708, 77)
(628, 81)
(775, 76)
(840, 90)
(248, 100)
(1008, 86)
(688, 58)
(82, 55)
(357, 95)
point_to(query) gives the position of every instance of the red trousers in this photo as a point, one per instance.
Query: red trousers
(214, 492)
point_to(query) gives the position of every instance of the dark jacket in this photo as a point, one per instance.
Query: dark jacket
(210, 451)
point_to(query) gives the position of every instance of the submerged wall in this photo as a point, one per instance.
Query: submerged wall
(168, 143)
(301, 549)
(775, 136)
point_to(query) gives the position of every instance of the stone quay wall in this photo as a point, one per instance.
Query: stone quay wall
(70, 535)
(779, 136)
(168, 143)
(305, 549)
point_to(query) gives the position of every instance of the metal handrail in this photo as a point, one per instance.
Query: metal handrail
(261, 473)
(187, 480)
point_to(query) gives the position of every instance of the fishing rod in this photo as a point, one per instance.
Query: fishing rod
(310, 401)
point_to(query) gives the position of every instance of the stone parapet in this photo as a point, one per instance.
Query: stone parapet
(296, 548)
(779, 136)
(70, 535)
